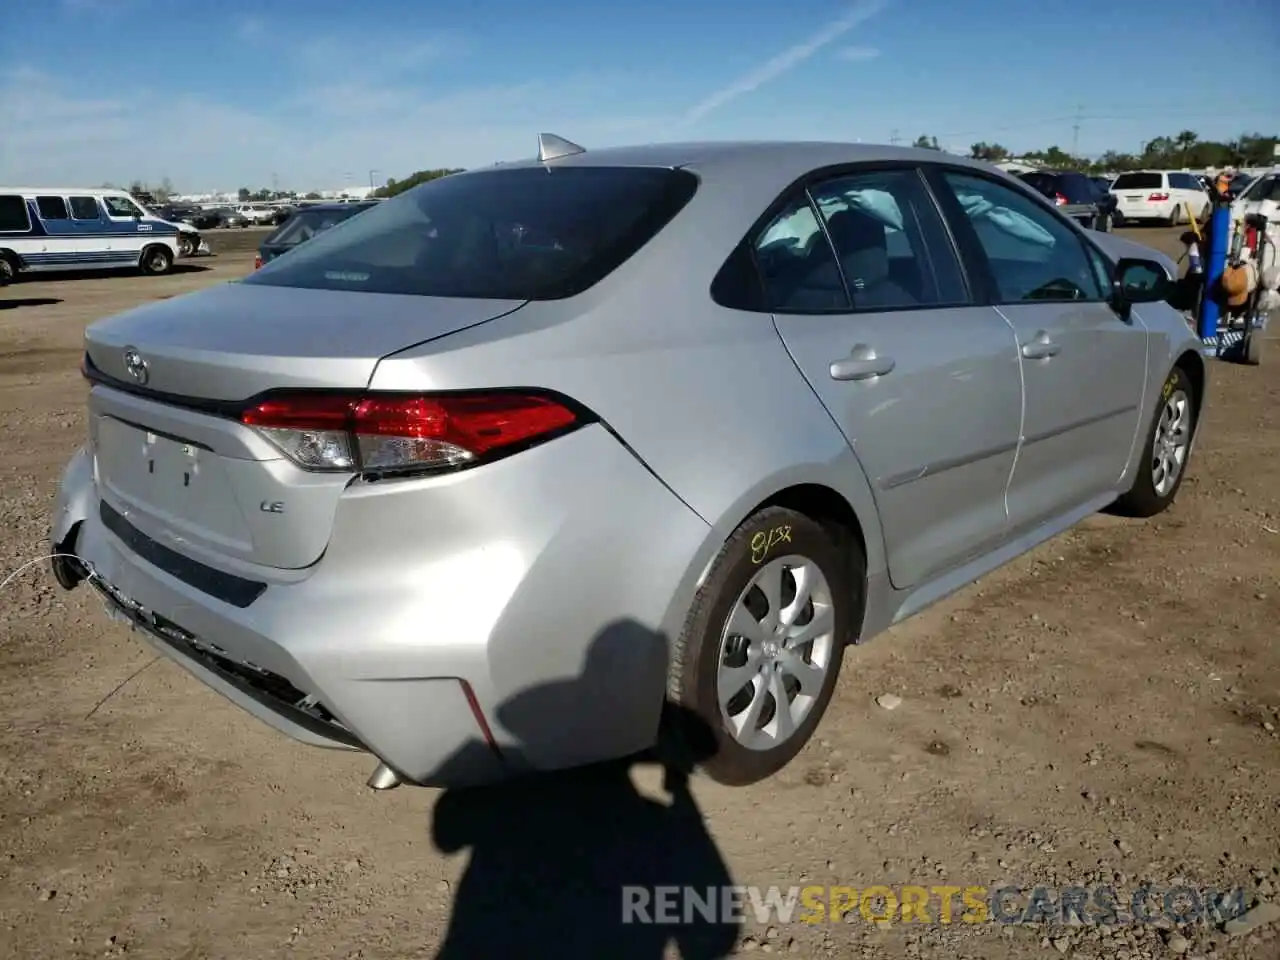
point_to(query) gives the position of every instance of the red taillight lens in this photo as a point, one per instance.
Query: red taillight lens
(1158, 197)
(1059, 200)
(403, 432)
(257, 262)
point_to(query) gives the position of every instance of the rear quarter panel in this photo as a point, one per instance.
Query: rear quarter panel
(706, 397)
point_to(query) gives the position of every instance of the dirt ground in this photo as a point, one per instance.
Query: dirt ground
(1104, 710)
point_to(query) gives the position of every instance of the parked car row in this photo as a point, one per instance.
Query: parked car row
(1079, 197)
(1143, 196)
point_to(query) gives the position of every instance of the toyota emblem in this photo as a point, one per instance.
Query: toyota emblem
(135, 366)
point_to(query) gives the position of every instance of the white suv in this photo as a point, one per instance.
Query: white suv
(1161, 195)
(256, 212)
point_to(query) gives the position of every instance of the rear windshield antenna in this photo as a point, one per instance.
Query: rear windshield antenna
(551, 147)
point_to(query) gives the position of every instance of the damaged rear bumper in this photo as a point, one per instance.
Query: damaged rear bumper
(423, 637)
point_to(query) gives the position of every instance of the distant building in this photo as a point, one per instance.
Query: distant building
(350, 193)
(1015, 165)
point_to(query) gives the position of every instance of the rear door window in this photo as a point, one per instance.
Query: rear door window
(13, 214)
(798, 268)
(85, 208)
(52, 208)
(524, 233)
(893, 248)
(1138, 181)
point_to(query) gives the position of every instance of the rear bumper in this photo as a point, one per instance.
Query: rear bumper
(463, 629)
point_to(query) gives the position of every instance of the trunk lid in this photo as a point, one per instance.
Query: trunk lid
(235, 340)
(204, 484)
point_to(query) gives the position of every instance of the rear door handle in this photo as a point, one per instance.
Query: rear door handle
(863, 363)
(1040, 348)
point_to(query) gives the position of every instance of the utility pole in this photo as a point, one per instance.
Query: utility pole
(1075, 131)
(894, 138)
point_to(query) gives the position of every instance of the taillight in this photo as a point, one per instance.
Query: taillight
(1158, 197)
(257, 262)
(394, 432)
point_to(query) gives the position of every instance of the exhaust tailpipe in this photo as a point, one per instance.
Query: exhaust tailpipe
(383, 778)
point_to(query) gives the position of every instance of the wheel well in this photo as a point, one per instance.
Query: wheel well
(1192, 364)
(833, 512)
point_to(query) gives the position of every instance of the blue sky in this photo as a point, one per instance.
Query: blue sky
(317, 93)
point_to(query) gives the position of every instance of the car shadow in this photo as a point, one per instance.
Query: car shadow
(556, 858)
(29, 302)
(66, 276)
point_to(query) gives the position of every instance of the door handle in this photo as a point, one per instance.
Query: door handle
(1041, 348)
(863, 363)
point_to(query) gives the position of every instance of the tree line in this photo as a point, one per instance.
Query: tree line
(1185, 149)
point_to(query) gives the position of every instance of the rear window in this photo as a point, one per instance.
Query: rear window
(530, 233)
(13, 214)
(1138, 181)
(1076, 187)
(305, 224)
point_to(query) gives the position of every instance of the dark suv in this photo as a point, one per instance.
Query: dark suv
(304, 224)
(1076, 195)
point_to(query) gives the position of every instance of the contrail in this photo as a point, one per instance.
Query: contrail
(787, 60)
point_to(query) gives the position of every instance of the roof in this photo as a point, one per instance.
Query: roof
(67, 191)
(793, 158)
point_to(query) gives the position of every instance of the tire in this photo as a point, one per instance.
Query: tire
(1251, 348)
(185, 246)
(1175, 217)
(764, 546)
(8, 270)
(1152, 492)
(156, 260)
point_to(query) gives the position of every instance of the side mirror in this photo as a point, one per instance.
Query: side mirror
(1141, 281)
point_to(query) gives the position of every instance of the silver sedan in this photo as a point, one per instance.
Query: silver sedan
(517, 467)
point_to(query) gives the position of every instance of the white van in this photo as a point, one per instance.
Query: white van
(1161, 195)
(48, 229)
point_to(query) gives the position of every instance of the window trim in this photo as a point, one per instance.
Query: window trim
(66, 207)
(802, 185)
(972, 247)
(97, 206)
(26, 211)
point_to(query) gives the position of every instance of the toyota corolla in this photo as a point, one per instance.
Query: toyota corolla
(759, 400)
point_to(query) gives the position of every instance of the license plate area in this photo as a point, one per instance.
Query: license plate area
(180, 485)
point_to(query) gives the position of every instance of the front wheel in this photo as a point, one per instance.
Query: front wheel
(760, 653)
(186, 246)
(1166, 452)
(156, 260)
